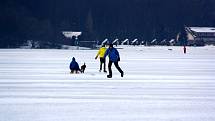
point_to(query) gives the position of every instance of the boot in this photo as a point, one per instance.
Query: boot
(122, 74)
(109, 76)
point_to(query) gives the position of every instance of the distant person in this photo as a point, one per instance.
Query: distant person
(185, 49)
(113, 58)
(101, 54)
(74, 67)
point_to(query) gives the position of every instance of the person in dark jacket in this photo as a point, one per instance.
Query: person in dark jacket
(74, 67)
(113, 58)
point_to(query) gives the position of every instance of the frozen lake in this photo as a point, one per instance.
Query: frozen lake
(160, 84)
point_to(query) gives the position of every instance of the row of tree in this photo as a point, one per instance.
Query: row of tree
(44, 20)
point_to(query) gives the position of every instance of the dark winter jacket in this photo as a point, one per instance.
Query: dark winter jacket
(74, 65)
(113, 54)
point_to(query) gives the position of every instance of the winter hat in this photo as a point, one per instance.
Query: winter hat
(111, 45)
(73, 59)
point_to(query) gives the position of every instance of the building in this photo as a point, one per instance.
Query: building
(201, 35)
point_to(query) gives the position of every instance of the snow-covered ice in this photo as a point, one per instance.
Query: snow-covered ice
(160, 84)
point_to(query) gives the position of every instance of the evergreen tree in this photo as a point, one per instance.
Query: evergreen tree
(183, 37)
(145, 19)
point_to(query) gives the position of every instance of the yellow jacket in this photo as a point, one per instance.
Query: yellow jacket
(101, 52)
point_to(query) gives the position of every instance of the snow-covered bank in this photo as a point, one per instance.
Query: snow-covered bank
(160, 84)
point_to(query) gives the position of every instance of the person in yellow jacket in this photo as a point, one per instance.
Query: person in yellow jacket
(101, 54)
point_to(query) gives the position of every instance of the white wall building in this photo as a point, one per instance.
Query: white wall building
(201, 35)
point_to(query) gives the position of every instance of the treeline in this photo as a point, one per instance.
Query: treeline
(44, 20)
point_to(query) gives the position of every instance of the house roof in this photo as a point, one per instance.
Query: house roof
(203, 29)
(70, 34)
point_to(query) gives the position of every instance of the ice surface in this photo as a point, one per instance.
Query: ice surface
(160, 84)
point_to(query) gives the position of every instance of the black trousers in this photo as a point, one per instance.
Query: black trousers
(116, 65)
(103, 61)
